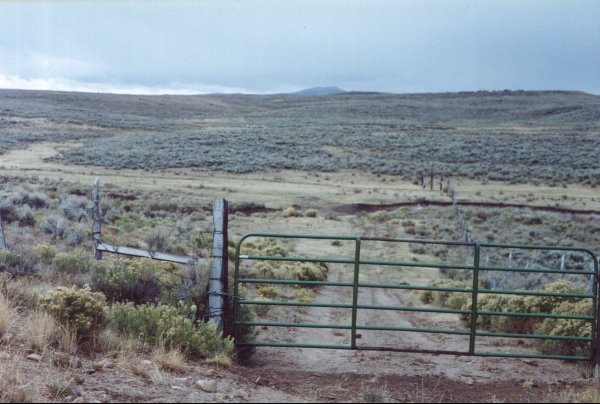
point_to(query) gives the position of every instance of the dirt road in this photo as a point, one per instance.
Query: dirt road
(401, 376)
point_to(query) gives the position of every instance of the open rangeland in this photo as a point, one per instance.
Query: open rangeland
(522, 165)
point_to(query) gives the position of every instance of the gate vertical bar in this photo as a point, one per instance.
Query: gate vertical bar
(355, 291)
(217, 281)
(474, 299)
(97, 220)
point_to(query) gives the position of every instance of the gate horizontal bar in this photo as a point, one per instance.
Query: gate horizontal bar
(534, 293)
(293, 345)
(412, 329)
(420, 241)
(413, 287)
(300, 304)
(411, 350)
(293, 282)
(532, 356)
(351, 261)
(538, 315)
(533, 336)
(416, 265)
(538, 270)
(306, 236)
(297, 259)
(417, 309)
(292, 325)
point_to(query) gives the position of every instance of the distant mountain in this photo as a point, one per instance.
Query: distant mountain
(316, 91)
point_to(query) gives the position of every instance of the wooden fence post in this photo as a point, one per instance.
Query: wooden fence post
(2, 241)
(97, 219)
(431, 182)
(217, 283)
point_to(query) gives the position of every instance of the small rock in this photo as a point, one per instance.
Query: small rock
(105, 364)
(89, 371)
(68, 399)
(75, 363)
(468, 381)
(146, 362)
(77, 391)
(79, 400)
(243, 395)
(177, 388)
(209, 386)
(34, 357)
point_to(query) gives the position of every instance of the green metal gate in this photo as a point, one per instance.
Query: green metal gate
(475, 290)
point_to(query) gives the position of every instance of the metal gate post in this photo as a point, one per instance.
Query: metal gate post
(355, 291)
(474, 299)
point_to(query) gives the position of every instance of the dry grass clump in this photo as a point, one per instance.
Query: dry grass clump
(291, 212)
(171, 360)
(373, 396)
(41, 331)
(221, 359)
(311, 213)
(22, 292)
(6, 314)
(569, 395)
(68, 340)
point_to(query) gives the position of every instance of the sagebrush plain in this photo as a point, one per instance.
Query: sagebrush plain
(523, 166)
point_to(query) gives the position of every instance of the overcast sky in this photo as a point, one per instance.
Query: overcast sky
(182, 47)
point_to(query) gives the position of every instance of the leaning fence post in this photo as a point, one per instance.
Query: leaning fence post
(2, 241)
(97, 220)
(217, 283)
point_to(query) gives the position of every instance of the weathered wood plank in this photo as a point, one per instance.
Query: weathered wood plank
(217, 284)
(138, 252)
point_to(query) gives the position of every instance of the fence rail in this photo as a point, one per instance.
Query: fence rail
(217, 282)
(138, 252)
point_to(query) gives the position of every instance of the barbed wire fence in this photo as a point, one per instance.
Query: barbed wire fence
(217, 288)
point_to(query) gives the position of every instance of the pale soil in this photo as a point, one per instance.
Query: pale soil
(292, 375)
(282, 188)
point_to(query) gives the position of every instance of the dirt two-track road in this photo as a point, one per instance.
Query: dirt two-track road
(345, 375)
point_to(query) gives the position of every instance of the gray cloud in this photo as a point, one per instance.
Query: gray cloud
(272, 46)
